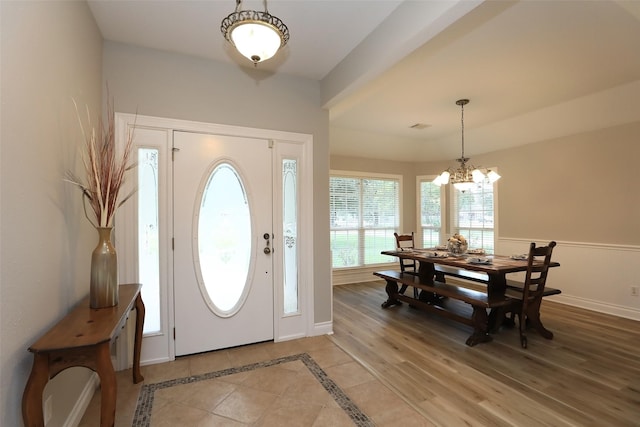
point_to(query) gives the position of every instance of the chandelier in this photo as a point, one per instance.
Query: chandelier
(256, 35)
(465, 176)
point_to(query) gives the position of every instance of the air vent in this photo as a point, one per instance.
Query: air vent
(420, 126)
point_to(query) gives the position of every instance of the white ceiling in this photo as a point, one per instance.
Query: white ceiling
(533, 70)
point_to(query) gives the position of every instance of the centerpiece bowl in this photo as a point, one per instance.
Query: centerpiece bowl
(457, 245)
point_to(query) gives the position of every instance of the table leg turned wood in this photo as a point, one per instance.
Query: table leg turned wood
(480, 327)
(32, 398)
(392, 292)
(108, 386)
(140, 311)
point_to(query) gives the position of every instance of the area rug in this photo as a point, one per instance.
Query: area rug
(142, 417)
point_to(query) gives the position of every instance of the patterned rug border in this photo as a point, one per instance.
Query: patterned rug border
(142, 417)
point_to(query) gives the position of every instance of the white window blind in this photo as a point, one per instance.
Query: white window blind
(365, 212)
(431, 202)
(473, 215)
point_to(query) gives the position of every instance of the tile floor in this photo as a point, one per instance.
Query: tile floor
(286, 394)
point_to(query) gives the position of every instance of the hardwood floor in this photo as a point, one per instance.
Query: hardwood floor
(588, 375)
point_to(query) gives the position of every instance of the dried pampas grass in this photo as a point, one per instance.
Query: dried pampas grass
(105, 172)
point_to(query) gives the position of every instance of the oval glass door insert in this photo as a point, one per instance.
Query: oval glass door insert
(224, 241)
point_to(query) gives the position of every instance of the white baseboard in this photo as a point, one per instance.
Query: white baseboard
(600, 307)
(323, 328)
(75, 416)
(156, 361)
(289, 337)
(359, 275)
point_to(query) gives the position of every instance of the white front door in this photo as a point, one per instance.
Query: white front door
(223, 284)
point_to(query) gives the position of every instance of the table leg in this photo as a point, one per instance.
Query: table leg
(32, 398)
(496, 286)
(137, 346)
(108, 386)
(480, 327)
(427, 272)
(392, 291)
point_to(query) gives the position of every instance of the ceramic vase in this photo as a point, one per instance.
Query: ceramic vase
(104, 272)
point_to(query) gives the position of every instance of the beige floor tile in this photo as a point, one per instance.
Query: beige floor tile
(280, 395)
(213, 420)
(175, 414)
(245, 405)
(285, 348)
(179, 368)
(209, 362)
(288, 412)
(273, 379)
(374, 399)
(329, 356)
(297, 366)
(332, 417)
(348, 374)
(308, 389)
(314, 343)
(205, 395)
(247, 355)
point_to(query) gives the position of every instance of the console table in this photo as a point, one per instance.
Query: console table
(83, 338)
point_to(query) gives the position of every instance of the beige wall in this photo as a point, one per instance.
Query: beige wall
(50, 52)
(175, 86)
(580, 188)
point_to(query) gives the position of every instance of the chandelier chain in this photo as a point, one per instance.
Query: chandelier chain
(462, 123)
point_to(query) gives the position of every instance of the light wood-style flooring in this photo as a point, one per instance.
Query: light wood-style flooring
(588, 375)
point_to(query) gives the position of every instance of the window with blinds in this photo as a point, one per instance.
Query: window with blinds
(365, 212)
(431, 203)
(473, 215)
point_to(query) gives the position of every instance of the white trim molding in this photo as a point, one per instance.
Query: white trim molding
(345, 276)
(593, 276)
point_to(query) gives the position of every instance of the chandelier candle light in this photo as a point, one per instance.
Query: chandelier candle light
(465, 176)
(256, 35)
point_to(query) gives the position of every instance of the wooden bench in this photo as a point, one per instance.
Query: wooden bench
(445, 270)
(479, 301)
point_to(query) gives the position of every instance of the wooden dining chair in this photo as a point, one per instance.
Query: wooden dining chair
(526, 303)
(406, 242)
(409, 266)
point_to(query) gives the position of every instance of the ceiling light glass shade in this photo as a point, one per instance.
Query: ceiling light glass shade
(256, 35)
(463, 186)
(256, 40)
(493, 176)
(477, 176)
(442, 179)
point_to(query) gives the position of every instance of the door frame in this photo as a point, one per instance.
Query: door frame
(159, 347)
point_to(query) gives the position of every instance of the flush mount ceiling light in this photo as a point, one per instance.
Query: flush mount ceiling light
(465, 176)
(256, 35)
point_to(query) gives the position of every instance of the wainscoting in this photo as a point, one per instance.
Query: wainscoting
(593, 276)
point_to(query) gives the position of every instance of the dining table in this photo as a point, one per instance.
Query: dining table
(489, 269)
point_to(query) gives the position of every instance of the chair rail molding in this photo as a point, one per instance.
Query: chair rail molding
(595, 276)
